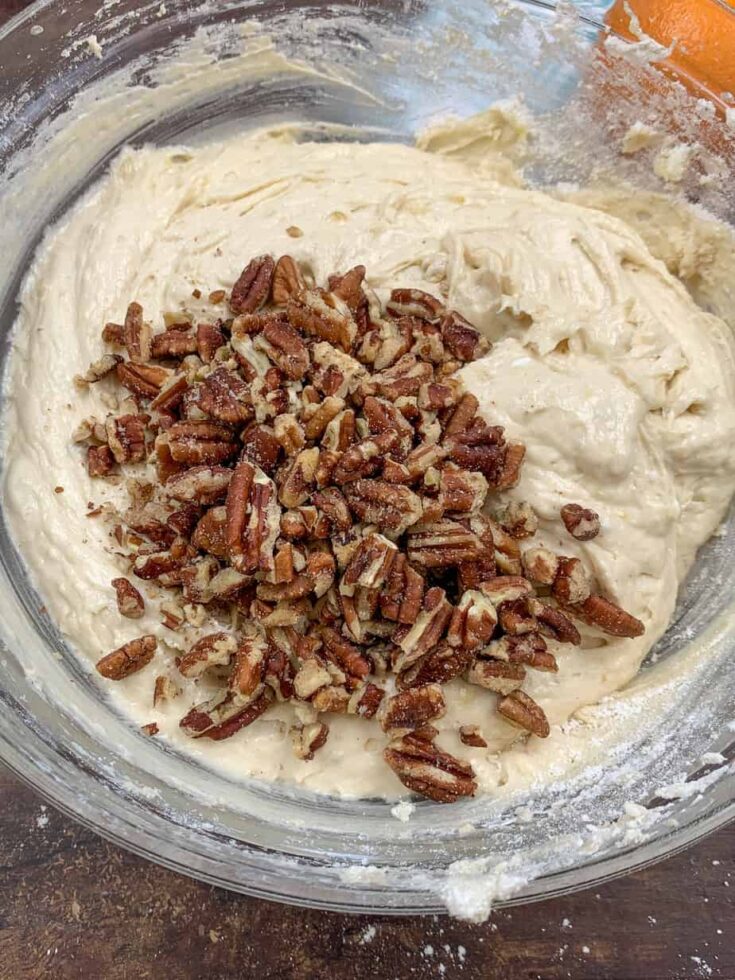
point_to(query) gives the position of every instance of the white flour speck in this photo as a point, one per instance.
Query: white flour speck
(368, 935)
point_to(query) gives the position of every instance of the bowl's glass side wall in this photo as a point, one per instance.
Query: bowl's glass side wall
(433, 59)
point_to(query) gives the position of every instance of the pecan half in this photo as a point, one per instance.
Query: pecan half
(253, 285)
(606, 616)
(426, 632)
(215, 650)
(495, 675)
(209, 340)
(288, 281)
(225, 397)
(414, 302)
(523, 712)
(307, 739)
(283, 345)
(443, 544)
(128, 659)
(412, 708)
(136, 334)
(223, 717)
(426, 769)
(463, 341)
(173, 344)
(403, 593)
(392, 507)
(126, 437)
(200, 484)
(144, 380)
(438, 666)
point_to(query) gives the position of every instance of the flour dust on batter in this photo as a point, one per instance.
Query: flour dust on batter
(621, 388)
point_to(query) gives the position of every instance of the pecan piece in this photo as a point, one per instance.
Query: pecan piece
(443, 544)
(540, 565)
(403, 593)
(128, 659)
(414, 302)
(173, 344)
(438, 666)
(523, 712)
(288, 281)
(223, 717)
(98, 370)
(306, 739)
(249, 665)
(426, 769)
(144, 380)
(365, 700)
(200, 442)
(283, 345)
(200, 484)
(210, 533)
(136, 334)
(331, 502)
(510, 472)
(100, 461)
(299, 479)
(369, 566)
(348, 287)
(209, 340)
(461, 492)
(473, 621)
(311, 677)
(519, 519)
(253, 285)
(365, 458)
(403, 379)
(314, 315)
(129, 601)
(126, 438)
(261, 446)
(497, 676)
(392, 507)
(427, 630)
(463, 341)
(344, 654)
(554, 623)
(471, 735)
(412, 708)
(571, 583)
(224, 396)
(582, 523)
(214, 650)
(316, 418)
(606, 616)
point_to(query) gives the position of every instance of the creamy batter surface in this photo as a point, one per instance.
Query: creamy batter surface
(620, 386)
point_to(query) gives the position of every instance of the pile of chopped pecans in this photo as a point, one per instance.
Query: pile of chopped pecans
(322, 482)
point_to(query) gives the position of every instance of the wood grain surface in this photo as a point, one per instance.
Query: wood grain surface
(72, 906)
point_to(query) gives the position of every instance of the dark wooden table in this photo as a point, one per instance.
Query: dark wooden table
(72, 906)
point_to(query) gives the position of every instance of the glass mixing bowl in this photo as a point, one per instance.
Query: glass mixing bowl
(378, 70)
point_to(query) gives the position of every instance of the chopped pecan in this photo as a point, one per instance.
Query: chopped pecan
(510, 472)
(404, 378)
(283, 345)
(571, 583)
(128, 659)
(210, 533)
(427, 630)
(299, 479)
(225, 397)
(335, 372)
(392, 507)
(463, 341)
(316, 418)
(462, 492)
(289, 433)
(403, 592)
(333, 505)
(249, 664)
(306, 739)
(200, 484)
(209, 340)
(437, 395)
(439, 666)
(136, 334)
(462, 415)
(495, 675)
(288, 281)
(260, 446)
(129, 601)
(384, 344)
(519, 519)
(540, 565)
(253, 285)
(606, 616)
(582, 523)
(99, 369)
(515, 617)
(414, 302)
(126, 437)
(506, 588)
(523, 712)
(528, 649)
(369, 565)
(365, 458)
(223, 717)
(473, 621)
(426, 769)
(471, 735)
(145, 380)
(314, 315)
(365, 700)
(171, 395)
(100, 461)
(164, 689)
(334, 700)
(311, 677)
(412, 708)
(554, 623)
(173, 344)
(443, 544)
(215, 650)
(348, 287)
(423, 458)
(340, 432)
(344, 654)
(201, 442)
